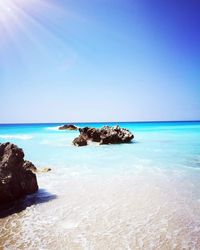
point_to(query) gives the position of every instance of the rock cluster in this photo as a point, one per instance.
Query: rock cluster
(16, 175)
(68, 127)
(104, 135)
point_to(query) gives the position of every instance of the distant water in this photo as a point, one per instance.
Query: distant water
(142, 195)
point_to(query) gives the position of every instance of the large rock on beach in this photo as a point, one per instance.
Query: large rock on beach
(68, 127)
(104, 135)
(17, 177)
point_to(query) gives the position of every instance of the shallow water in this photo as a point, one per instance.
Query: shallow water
(142, 195)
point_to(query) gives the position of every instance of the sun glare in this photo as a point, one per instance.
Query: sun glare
(29, 20)
(16, 15)
(10, 12)
(6, 6)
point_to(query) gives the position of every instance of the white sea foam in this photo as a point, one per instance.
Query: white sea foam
(53, 128)
(19, 137)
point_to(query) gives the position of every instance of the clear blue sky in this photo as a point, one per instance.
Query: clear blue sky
(99, 60)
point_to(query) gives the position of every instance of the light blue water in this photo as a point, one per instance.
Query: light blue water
(150, 187)
(167, 144)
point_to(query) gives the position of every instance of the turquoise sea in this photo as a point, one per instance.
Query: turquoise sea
(141, 195)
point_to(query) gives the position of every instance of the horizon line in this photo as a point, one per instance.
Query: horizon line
(145, 121)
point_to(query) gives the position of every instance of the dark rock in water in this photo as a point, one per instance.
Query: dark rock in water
(68, 127)
(29, 166)
(90, 134)
(16, 175)
(80, 141)
(105, 135)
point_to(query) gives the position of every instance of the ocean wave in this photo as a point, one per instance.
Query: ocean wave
(20, 137)
(52, 128)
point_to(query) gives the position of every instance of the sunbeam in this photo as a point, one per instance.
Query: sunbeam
(27, 24)
(13, 12)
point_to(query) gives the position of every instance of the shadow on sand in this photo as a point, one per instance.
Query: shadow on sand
(41, 196)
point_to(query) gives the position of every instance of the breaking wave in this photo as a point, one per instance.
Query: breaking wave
(53, 128)
(20, 137)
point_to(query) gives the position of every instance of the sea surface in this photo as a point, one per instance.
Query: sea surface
(141, 195)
